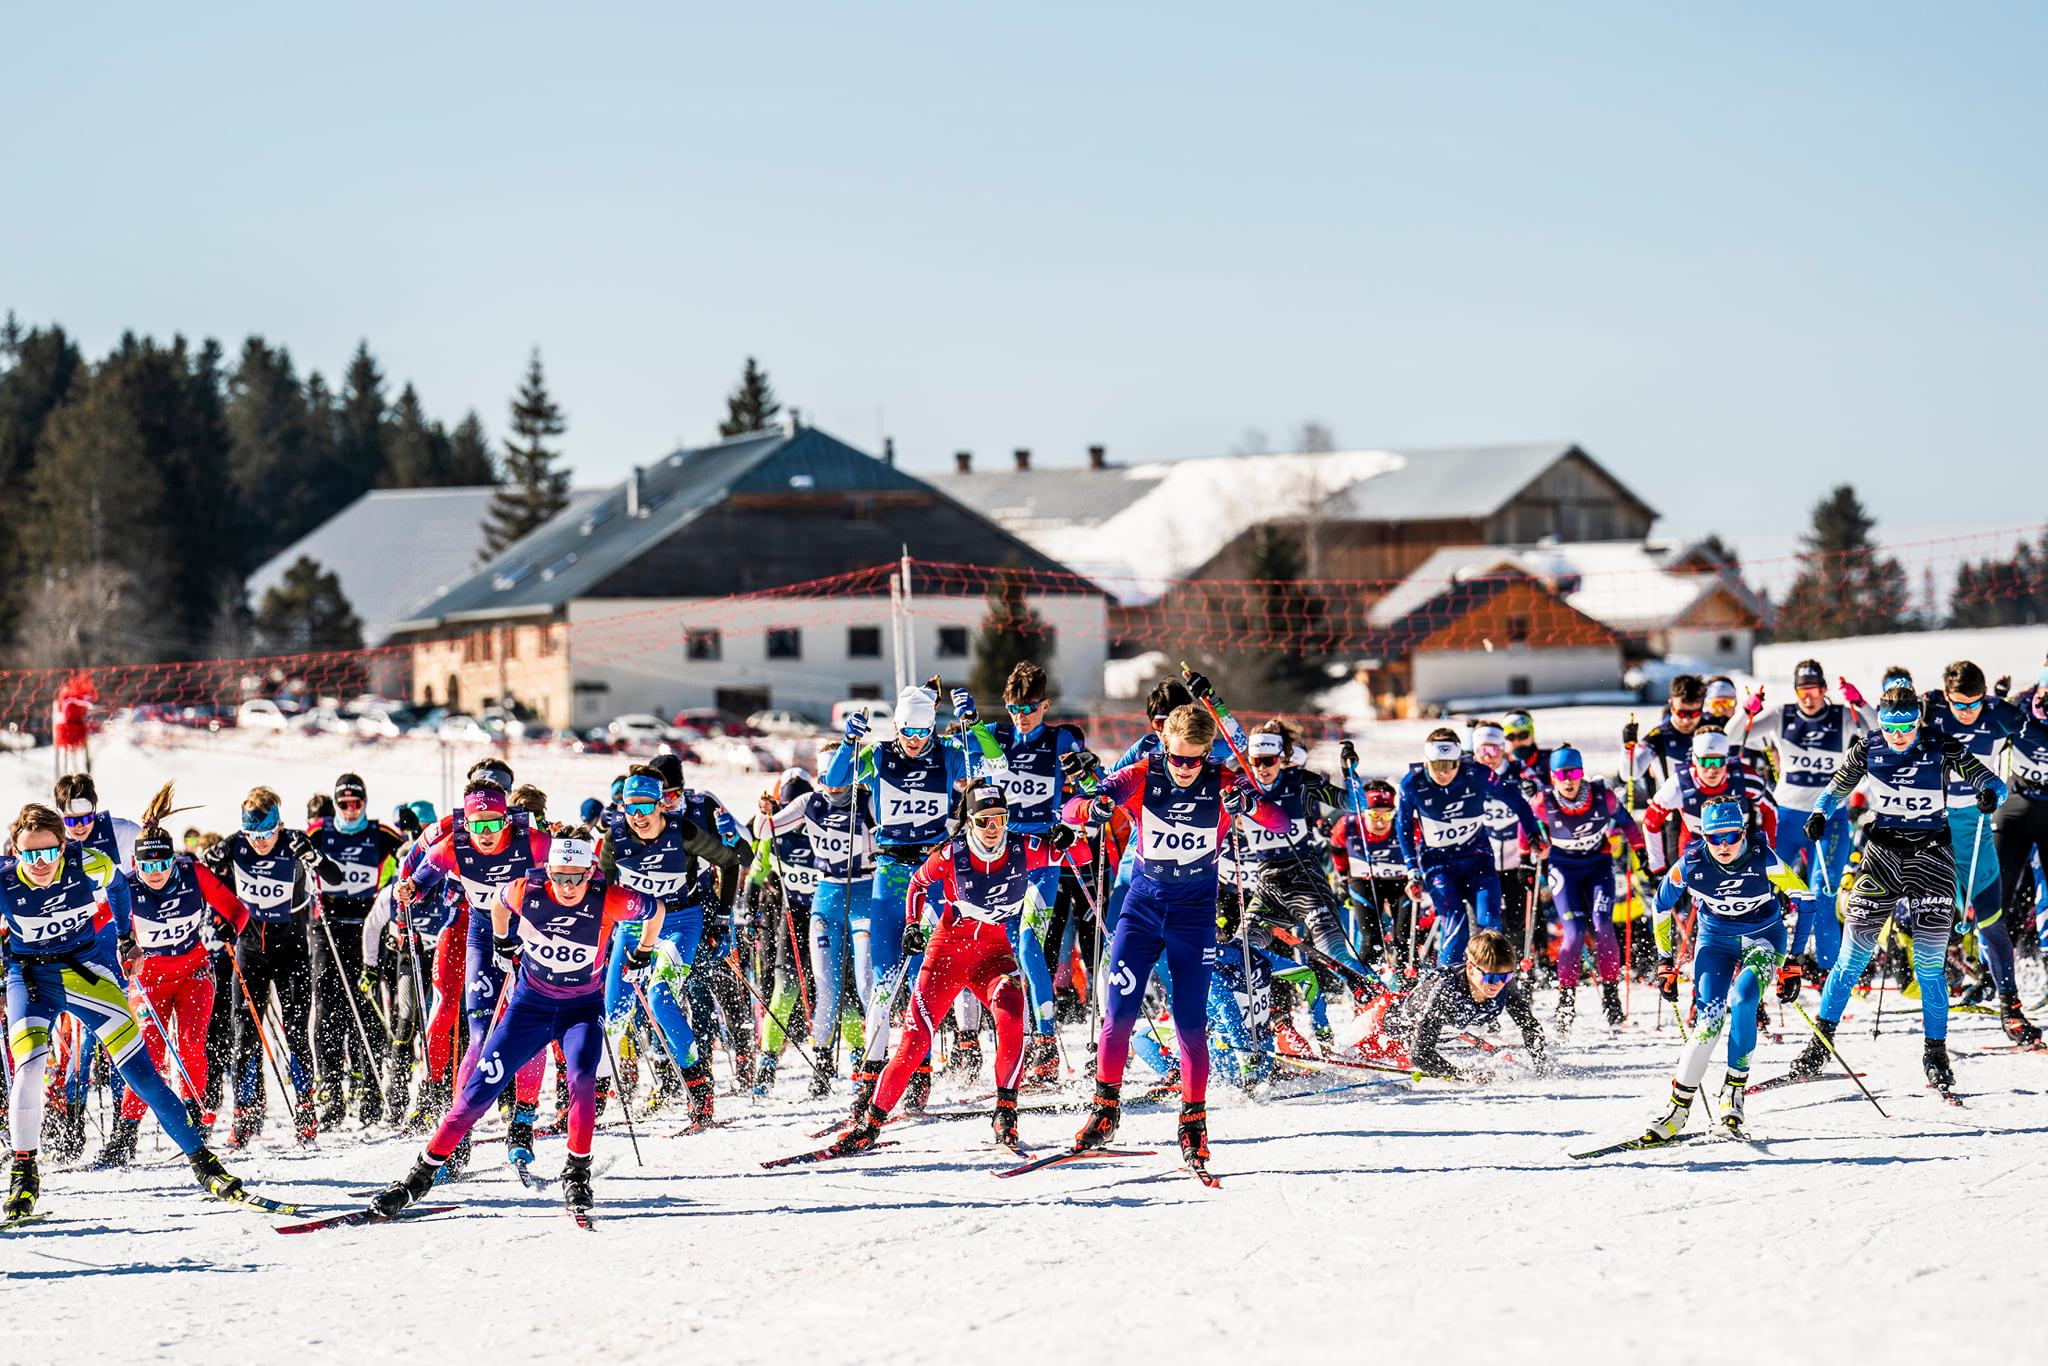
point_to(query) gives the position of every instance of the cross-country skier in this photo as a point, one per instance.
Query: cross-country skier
(1715, 774)
(1182, 800)
(78, 799)
(173, 900)
(2020, 828)
(1808, 736)
(552, 924)
(1468, 994)
(780, 886)
(1741, 889)
(1586, 822)
(54, 907)
(1367, 859)
(1518, 893)
(348, 1037)
(1908, 868)
(1440, 818)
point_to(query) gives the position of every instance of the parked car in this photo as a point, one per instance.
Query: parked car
(788, 724)
(260, 713)
(642, 730)
(696, 721)
(462, 728)
(881, 716)
(596, 740)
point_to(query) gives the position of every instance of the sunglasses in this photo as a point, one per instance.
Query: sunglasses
(642, 808)
(1724, 838)
(348, 804)
(1265, 760)
(486, 825)
(1514, 735)
(1184, 760)
(1685, 713)
(1567, 775)
(1802, 689)
(1494, 979)
(915, 732)
(153, 866)
(989, 819)
(569, 877)
(80, 822)
(1900, 727)
(1965, 706)
(50, 855)
(1710, 761)
(1023, 708)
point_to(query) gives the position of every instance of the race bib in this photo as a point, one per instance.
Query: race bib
(157, 934)
(1887, 800)
(1172, 842)
(799, 878)
(1450, 834)
(658, 884)
(357, 879)
(263, 893)
(902, 807)
(1028, 789)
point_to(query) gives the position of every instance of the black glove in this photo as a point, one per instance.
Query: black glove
(1059, 837)
(637, 962)
(1079, 767)
(125, 945)
(1530, 787)
(1539, 847)
(1987, 801)
(1630, 734)
(1790, 975)
(1199, 686)
(1347, 754)
(1816, 826)
(1667, 978)
(225, 930)
(328, 869)
(915, 937)
(2003, 686)
(505, 951)
(1237, 800)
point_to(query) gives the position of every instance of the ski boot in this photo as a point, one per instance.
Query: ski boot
(866, 1128)
(213, 1178)
(1287, 1041)
(2017, 1026)
(1567, 1010)
(120, 1146)
(697, 1081)
(1194, 1133)
(1042, 1061)
(864, 1080)
(822, 1079)
(433, 1102)
(332, 1108)
(764, 1075)
(519, 1135)
(305, 1123)
(369, 1103)
(390, 1201)
(668, 1083)
(576, 1195)
(919, 1092)
(1005, 1118)
(24, 1184)
(1671, 1123)
(967, 1058)
(1813, 1059)
(604, 1098)
(1610, 1003)
(1934, 1061)
(397, 1090)
(743, 1064)
(1100, 1126)
(1734, 1085)
(247, 1123)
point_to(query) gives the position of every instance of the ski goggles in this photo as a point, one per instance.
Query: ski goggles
(1496, 979)
(1710, 762)
(1721, 839)
(1183, 761)
(1898, 723)
(1567, 775)
(1955, 705)
(1023, 708)
(150, 867)
(485, 825)
(989, 820)
(72, 822)
(643, 806)
(260, 823)
(914, 732)
(50, 855)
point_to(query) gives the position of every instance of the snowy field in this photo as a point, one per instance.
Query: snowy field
(1369, 1224)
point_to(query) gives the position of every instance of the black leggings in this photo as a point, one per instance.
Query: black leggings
(2018, 832)
(272, 957)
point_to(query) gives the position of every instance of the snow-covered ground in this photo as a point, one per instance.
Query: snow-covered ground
(1398, 1221)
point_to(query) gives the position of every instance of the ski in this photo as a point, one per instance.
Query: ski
(702, 1127)
(1948, 1094)
(823, 1155)
(583, 1220)
(1065, 1155)
(264, 1203)
(527, 1176)
(1200, 1171)
(16, 1221)
(1794, 1079)
(1638, 1144)
(2014, 1048)
(356, 1218)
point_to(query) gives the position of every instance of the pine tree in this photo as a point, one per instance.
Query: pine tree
(40, 366)
(307, 612)
(417, 451)
(1844, 586)
(1011, 634)
(268, 465)
(752, 406)
(363, 432)
(470, 462)
(534, 490)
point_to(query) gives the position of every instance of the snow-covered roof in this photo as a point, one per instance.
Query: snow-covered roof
(1625, 585)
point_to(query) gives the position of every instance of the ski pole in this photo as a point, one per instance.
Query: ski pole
(141, 998)
(348, 990)
(1830, 1043)
(262, 1036)
(620, 1091)
(1884, 937)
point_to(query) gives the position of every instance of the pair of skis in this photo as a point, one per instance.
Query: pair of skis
(1197, 1167)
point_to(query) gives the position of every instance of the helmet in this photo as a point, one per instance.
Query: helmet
(670, 767)
(1519, 724)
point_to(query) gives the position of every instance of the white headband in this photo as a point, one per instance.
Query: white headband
(1267, 744)
(80, 806)
(1489, 735)
(564, 853)
(1436, 750)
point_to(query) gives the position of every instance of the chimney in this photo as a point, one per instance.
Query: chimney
(1098, 457)
(1023, 458)
(963, 462)
(888, 450)
(792, 422)
(635, 503)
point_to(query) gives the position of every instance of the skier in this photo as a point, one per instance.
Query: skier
(1961, 710)
(78, 798)
(1468, 994)
(1663, 750)
(780, 886)
(913, 778)
(1182, 800)
(1808, 736)
(348, 1039)
(656, 854)
(1586, 822)
(1440, 818)
(269, 868)
(2020, 828)
(551, 925)
(172, 898)
(1518, 893)
(1367, 859)
(1713, 775)
(1908, 868)
(984, 872)
(1527, 762)
(54, 906)
(1741, 889)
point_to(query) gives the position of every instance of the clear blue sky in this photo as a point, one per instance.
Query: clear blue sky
(1738, 252)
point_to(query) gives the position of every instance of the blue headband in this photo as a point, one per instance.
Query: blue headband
(641, 787)
(256, 825)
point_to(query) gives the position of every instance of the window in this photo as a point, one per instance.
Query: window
(1518, 685)
(1724, 645)
(785, 642)
(864, 692)
(704, 646)
(952, 642)
(863, 642)
(1518, 630)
